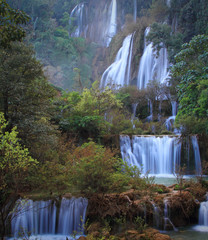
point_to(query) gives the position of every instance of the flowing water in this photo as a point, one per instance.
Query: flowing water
(170, 121)
(118, 73)
(99, 26)
(78, 20)
(157, 155)
(44, 218)
(152, 67)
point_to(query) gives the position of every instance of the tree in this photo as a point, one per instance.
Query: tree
(25, 95)
(15, 164)
(88, 113)
(192, 72)
(11, 22)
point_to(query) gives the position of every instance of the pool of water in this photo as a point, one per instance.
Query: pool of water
(193, 233)
(170, 179)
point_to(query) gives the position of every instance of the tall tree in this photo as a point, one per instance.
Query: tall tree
(25, 94)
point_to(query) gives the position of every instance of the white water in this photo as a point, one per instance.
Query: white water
(77, 15)
(203, 217)
(156, 216)
(111, 30)
(195, 145)
(168, 2)
(167, 220)
(99, 26)
(170, 121)
(41, 217)
(150, 107)
(152, 67)
(157, 155)
(118, 73)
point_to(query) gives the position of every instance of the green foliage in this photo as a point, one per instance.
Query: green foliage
(191, 69)
(25, 96)
(88, 113)
(93, 168)
(15, 163)
(11, 22)
(160, 35)
(135, 179)
(191, 17)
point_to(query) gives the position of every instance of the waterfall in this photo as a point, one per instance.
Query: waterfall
(170, 121)
(118, 73)
(150, 107)
(167, 221)
(41, 217)
(203, 217)
(78, 16)
(156, 216)
(127, 151)
(72, 215)
(196, 155)
(168, 3)
(135, 10)
(111, 31)
(152, 67)
(99, 27)
(203, 213)
(156, 155)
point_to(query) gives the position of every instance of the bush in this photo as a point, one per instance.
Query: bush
(95, 169)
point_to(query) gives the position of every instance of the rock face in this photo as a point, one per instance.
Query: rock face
(165, 210)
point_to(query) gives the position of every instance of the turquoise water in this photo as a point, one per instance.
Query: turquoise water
(190, 233)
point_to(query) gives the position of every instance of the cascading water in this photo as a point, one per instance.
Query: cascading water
(156, 216)
(135, 10)
(118, 73)
(170, 121)
(111, 30)
(72, 215)
(42, 217)
(100, 26)
(156, 155)
(150, 107)
(167, 221)
(195, 145)
(152, 67)
(127, 151)
(78, 15)
(168, 2)
(203, 216)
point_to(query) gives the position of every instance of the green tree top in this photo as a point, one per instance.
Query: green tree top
(10, 24)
